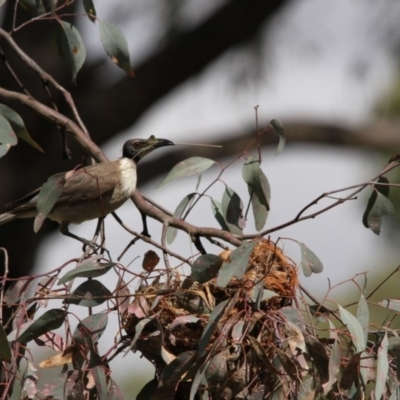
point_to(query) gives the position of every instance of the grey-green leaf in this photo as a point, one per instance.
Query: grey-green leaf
(276, 124)
(90, 10)
(48, 196)
(89, 294)
(310, 263)
(116, 46)
(236, 265)
(381, 206)
(70, 46)
(188, 167)
(354, 327)
(88, 270)
(206, 267)
(259, 190)
(363, 316)
(50, 320)
(172, 232)
(18, 126)
(7, 135)
(382, 367)
(219, 214)
(232, 208)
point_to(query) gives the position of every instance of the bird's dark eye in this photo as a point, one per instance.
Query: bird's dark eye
(136, 145)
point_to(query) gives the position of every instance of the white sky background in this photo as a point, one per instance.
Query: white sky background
(310, 68)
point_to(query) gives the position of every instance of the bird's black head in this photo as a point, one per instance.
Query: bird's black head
(136, 149)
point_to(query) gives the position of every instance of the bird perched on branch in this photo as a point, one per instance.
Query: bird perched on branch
(87, 193)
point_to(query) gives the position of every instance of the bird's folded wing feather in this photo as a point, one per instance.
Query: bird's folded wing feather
(89, 183)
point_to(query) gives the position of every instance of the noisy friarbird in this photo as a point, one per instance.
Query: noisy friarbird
(92, 191)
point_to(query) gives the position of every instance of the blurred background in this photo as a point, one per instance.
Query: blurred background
(329, 71)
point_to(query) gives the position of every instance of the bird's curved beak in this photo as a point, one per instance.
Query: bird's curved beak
(161, 143)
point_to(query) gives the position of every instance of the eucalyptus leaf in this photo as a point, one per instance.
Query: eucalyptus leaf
(88, 270)
(236, 265)
(232, 208)
(310, 263)
(172, 232)
(276, 124)
(116, 46)
(190, 166)
(355, 329)
(90, 9)
(89, 294)
(206, 267)
(70, 46)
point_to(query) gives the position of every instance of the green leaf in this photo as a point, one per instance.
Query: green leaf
(190, 166)
(4, 149)
(363, 316)
(18, 126)
(99, 376)
(87, 270)
(232, 208)
(378, 206)
(215, 316)
(47, 198)
(35, 7)
(50, 320)
(310, 263)
(333, 367)
(70, 46)
(391, 304)
(355, 329)
(5, 351)
(217, 370)
(138, 330)
(90, 329)
(90, 10)
(206, 267)
(219, 214)
(382, 368)
(259, 190)
(236, 265)
(7, 135)
(89, 294)
(282, 138)
(172, 232)
(116, 46)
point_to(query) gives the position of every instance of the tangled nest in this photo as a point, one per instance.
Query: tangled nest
(223, 340)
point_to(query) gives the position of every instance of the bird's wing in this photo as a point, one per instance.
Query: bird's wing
(89, 182)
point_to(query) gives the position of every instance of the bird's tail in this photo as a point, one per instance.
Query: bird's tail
(7, 217)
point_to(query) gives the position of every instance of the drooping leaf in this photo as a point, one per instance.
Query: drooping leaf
(50, 320)
(378, 206)
(215, 316)
(236, 265)
(333, 368)
(99, 375)
(7, 134)
(363, 316)
(138, 330)
(354, 327)
(171, 232)
(198, 379)
(91, 328)
(282, 138)
(91, 269)
(382, 367)
(90, 10)
(217, 371)
(18, 126)
(70, 46)
(219, 214)
(89, 294)
(5, 351)
(351, 372)
(116, 46)
(190, 166)
(48, 196)
(206, 267)
(259, 190)
(232, 208)
(310, 263)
